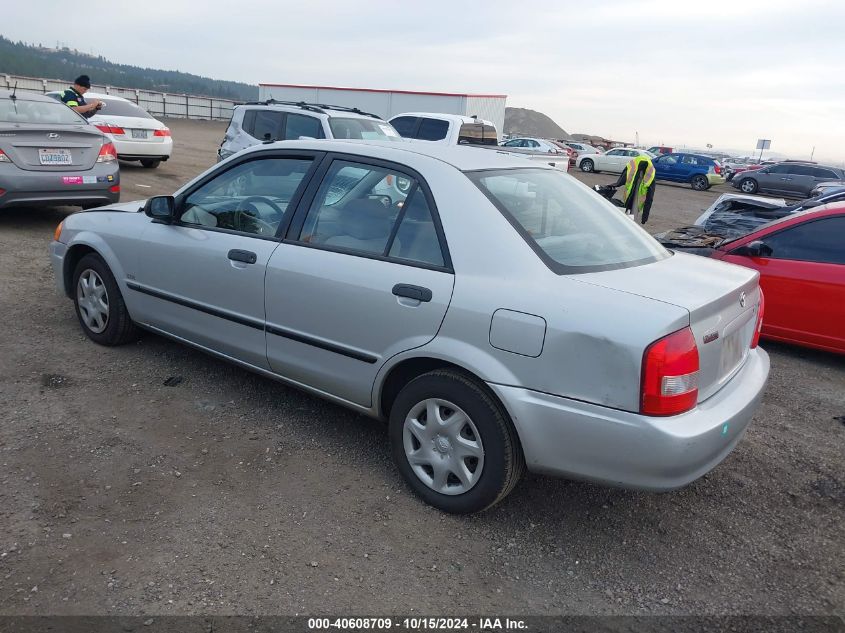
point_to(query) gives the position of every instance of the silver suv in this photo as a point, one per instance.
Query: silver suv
(268, 121)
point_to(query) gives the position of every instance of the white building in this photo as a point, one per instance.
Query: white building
(388, 103)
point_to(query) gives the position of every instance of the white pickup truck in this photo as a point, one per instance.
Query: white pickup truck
(456, 129)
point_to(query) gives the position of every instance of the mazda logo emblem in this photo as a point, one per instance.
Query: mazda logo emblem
(742, 300)
(52, 135)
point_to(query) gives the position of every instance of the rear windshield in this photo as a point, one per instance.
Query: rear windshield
(122, 108)
(477, 134)
(571, 227)
(363, 129)
(43, 112)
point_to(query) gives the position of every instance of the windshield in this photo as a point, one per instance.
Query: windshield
(122, 108)
(572, 228)
(42, 112)
(363, 129)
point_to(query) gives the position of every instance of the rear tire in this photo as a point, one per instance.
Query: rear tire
(469, 450)
(150, 163)
(588, 165)
(99, 305)
(700, 183)
(748, 185)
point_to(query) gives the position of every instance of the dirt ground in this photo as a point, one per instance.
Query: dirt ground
(231, 494)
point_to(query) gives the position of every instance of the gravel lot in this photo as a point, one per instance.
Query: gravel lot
(229, 493)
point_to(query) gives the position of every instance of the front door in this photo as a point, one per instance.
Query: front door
(363, 275)
(202, 278)
(666, 167)
(803, 280)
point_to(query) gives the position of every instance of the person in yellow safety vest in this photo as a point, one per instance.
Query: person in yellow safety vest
(74, 99)
(638, 179)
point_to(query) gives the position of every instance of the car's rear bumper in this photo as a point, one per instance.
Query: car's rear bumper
(161, 148)
(575, 439)
(27, 188)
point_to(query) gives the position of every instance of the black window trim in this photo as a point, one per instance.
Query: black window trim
(297, 222)
(316, 160)
(553, 265)
(763, 238)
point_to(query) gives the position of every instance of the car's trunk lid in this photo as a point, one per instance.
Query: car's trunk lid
(134, 128)
(51, 147)
(722, 301)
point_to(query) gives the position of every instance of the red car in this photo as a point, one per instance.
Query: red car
(801, 260)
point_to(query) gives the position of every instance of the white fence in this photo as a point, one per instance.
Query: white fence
(158, 104)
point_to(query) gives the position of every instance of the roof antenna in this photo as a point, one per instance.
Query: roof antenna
(14, 90)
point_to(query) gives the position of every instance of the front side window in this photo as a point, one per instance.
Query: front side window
(363, 129)
(252, 197)
(570, 228)
(776, 169)
(666, 160)
(821, 241)
(514, 143)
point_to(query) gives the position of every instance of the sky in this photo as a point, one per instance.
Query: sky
(685, 73)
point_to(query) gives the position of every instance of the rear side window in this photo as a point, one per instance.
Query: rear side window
(405, 125)
(416, 239)
(567, 225)
(432, 130)
(479, 134)
(823, 173)
(298, 125)
(690, 160)
(266, 126)
(821, 241)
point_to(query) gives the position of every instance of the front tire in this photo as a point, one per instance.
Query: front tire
(99, 304)
(588, 165)
(150, 163)
(748, 186)
(453, 443)
(700, 183)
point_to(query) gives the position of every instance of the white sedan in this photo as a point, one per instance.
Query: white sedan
(135, 133)
(613, 161)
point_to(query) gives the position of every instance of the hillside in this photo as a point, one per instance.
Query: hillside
(525, 122)
(18, 58)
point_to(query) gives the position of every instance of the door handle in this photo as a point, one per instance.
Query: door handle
(247, 257)
(412, 292)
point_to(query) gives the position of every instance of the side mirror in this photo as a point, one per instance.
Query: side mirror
(161, 209)
(757, 248)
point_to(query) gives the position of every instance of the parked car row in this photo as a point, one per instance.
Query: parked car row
(790, 178)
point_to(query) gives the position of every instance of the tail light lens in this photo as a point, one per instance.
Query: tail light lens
(758, 327)
(108, 128)
(717, 168)
(115, 188)
(107, 153)
(670, 375)
(162, 132)
(4, 158)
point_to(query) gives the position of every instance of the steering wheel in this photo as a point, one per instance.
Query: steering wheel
(263, 227)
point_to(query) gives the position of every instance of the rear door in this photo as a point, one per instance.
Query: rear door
(360, 277)
(803, 280)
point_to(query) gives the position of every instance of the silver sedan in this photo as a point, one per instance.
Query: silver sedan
(496, 313)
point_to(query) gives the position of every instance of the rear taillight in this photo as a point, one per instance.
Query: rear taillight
(758, 327)
(717, 168)
(2, 191)
(670, 375)
(4, 158)
(110, 129)
(107, 153)
(162, 132)
(115, 188)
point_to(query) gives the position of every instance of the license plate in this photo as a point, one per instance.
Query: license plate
(55, 157)
(732, 351)
(140, 134)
